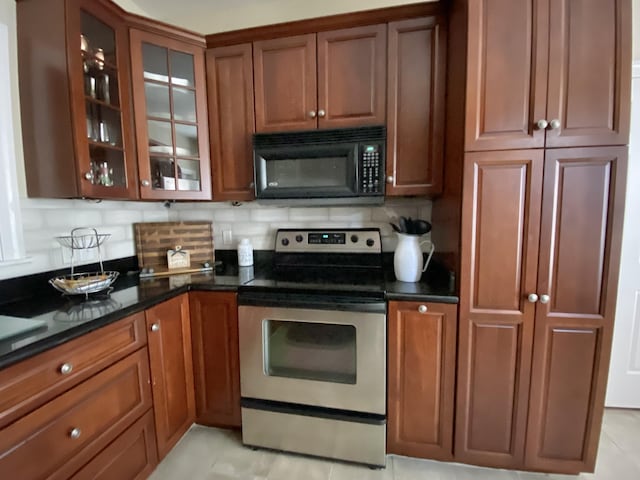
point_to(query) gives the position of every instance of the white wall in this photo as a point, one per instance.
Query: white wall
(206, 16)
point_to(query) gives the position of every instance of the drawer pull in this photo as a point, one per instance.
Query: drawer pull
(155, 327)
(66, 368)
(422, 309)
(75, 433)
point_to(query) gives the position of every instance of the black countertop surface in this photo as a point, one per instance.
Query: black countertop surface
(70, 317)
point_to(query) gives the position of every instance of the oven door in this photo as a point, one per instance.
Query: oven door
(326, 358)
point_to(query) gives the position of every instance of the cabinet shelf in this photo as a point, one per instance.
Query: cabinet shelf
(102, 103)
(108, 146)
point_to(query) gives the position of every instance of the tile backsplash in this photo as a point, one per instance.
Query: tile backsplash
(43, 220)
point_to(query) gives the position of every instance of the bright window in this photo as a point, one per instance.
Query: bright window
(11, 245)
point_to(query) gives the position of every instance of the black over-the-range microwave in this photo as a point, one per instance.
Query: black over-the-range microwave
(341, 166)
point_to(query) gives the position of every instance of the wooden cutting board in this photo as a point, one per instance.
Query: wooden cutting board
(154, 239)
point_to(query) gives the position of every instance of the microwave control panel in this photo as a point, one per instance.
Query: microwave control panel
(370, 168)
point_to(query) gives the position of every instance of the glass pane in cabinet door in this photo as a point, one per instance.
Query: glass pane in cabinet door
(98, 39)
(163, 173)
(157, 96)
(160, 138)
(188, 174)
(182, 72)
(107, 167)
(184, 104)
(186, 140)
(155, 63)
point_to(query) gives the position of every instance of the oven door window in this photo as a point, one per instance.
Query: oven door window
(324, 352)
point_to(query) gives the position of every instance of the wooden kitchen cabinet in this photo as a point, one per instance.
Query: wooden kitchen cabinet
(132, 456)
(422, 356)
(231, 121)
(537, 297)
(415, 106)
(343, 85)
(216, 364)
(60, 437)
(539, 61)
(499, 258)
(169, 337)
(580, 237)
(75, 100)
(170, 106)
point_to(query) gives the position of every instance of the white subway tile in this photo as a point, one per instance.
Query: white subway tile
(32, 219)
(155, 215)
(115, 250)
(121, 217)
(270, 214)
(308, 214)
(251, 229)
(231, 215)
(70, 219)
(352, 214)
(194, 215)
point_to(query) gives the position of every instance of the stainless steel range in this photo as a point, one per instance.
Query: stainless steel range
(313, 347)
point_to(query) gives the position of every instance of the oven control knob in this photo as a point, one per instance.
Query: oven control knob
(370, 242)
(299, 238)
(285, 241)
(354, 238)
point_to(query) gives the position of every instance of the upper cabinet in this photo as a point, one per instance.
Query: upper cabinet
(170, 107)
(331, 79)
(539, 76)
(75, 99)
(231, 121)
(415, 105)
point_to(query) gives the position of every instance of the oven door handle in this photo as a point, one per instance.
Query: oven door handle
(345, 303)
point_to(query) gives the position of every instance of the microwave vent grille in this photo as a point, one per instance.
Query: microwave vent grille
(309, 137)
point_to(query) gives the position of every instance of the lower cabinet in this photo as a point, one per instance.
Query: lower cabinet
(422, 356)
(57, 439)
(133, 456)
(169, 336)
(216, 364)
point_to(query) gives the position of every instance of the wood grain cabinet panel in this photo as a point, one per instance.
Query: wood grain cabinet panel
(132, 456)
(589, 75)
(31, 383)
(422, 348)
(231, 120)
(171, 370)
(506, 74)
(352, 76)
(285, 75)
(216, 363)
(540, 60)
(500, 220)
(416, 69)
(578, 271)
(57, 439)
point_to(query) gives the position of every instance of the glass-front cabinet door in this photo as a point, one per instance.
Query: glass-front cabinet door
(98, 53)
(171, 118)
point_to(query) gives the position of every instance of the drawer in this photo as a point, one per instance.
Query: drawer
(58, 438)
(132, 456)
(31, 383)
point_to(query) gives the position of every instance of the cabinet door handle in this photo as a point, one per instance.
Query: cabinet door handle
(155, 327)
(75, 433)
(533, 298)
(145, 183)
(422, 309)
(88, 176)
(390, 179)
(321, 113)
(542, 124)
(554, 124)
(66, 368)
(312, 114)
(544, 298)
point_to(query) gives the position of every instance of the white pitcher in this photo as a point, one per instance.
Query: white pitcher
(407, 259)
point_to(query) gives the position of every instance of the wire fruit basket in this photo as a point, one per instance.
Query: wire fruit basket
(83, 283)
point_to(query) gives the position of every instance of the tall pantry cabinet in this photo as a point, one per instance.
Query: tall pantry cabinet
(546, 124)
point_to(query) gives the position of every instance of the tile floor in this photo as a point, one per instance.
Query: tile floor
(213, 454)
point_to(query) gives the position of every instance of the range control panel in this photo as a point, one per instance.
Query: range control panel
(355, 240)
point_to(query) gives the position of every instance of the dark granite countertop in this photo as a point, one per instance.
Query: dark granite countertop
(67, 318)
